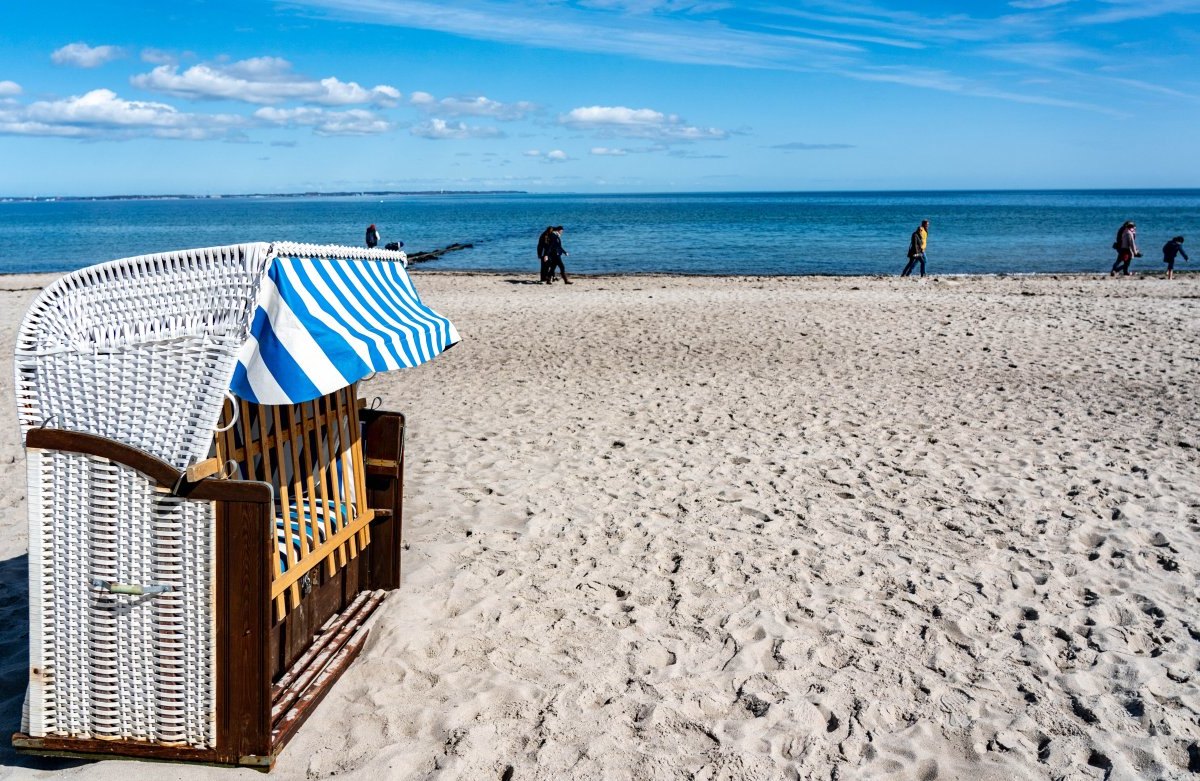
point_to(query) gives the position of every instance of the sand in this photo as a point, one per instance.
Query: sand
(746, 528)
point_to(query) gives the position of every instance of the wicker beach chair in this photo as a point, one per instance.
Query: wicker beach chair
(213, 512)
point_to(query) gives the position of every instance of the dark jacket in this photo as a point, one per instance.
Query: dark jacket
(554, 247)
(1171, 249)
(1127, 241)
(914, 244)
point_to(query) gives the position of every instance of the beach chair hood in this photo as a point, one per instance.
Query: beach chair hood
(145, 350)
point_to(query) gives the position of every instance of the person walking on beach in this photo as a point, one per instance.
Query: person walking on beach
(555, 251)
(372, 236)
(543, 257)
(1170, 250)
(1126, 247)
(916, 248)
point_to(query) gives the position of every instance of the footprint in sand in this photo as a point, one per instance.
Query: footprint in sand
(955, 704)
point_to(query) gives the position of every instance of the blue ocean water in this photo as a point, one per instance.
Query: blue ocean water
(708, 233)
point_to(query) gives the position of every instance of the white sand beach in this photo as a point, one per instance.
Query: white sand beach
(764, 528)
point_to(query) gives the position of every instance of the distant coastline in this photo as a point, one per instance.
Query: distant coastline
(229, 196)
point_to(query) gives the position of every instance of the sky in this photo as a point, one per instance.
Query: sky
(217, 97)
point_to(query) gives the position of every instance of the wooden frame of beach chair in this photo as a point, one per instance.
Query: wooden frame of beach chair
(201, 570)
(273, 664)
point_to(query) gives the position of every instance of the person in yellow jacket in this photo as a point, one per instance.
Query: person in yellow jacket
(916, 248)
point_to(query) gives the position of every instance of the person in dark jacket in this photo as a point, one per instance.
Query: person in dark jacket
(544, 259)
(1170, 250)
(916, 248)
(372, 236)
(1126, 247)
(555, 251)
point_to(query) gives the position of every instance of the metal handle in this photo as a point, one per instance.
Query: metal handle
(132, 589)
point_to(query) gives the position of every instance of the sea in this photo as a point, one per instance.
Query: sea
(769, 233)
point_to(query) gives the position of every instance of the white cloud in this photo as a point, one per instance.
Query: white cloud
(603, 151)
(262, 80)
(637, 123)
(478, 106)
(102, 114)
(9, 88)
(353, 122)
(440, 129)
(83, 56)
(552, 156)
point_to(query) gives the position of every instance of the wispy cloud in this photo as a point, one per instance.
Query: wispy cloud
(158, 57)
(261, 80)
(9, 89)
(102, 113)
(478, 106)
(604, 151)
(694, 36)
(1127, 10)
(800, 146)
(353, 122)
(81, 55)
(1040, 53)
(860, 39)
(440, 130)
(637, 123)
(899, 43)
(943, 81)
(1033, 4)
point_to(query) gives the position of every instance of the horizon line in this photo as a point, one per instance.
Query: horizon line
(373, 193)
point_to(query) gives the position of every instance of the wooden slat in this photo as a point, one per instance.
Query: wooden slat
(226, 444)
(341, 512)
(278, 445)
(251, 444)
(244, 532)
(297, 482)
(238, 452)
(202, 469)
(311, 457)
(330, 529)
(315, 693)
(91, 748)
(305, 669)
(357, 457)
(338, 424)
(308, 561)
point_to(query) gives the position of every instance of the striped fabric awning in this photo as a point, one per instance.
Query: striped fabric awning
(323, 324)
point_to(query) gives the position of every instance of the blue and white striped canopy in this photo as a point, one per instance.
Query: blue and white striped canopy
(323, 324)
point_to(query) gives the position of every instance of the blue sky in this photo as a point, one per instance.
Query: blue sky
(212, 96)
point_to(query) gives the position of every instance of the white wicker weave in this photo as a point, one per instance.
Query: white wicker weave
(108, 665)
(139, 350)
